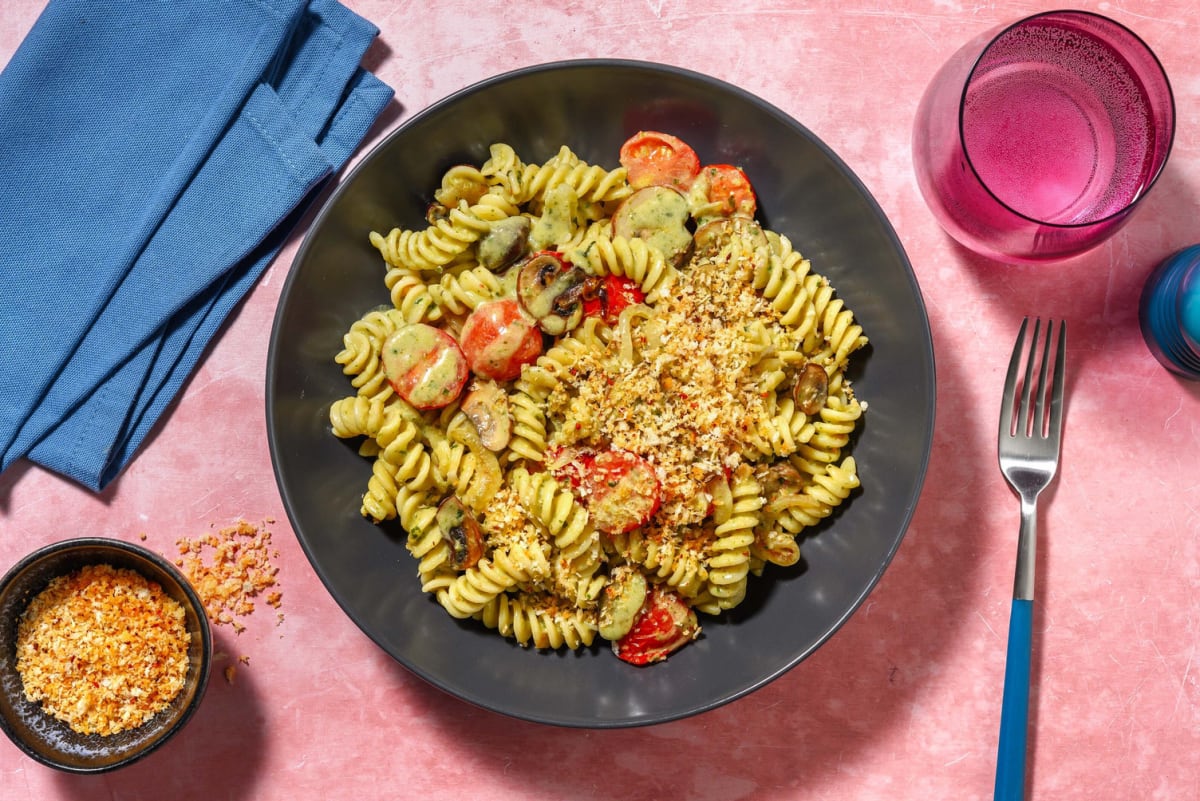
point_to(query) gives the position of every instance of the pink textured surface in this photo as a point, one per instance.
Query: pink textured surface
(903, 703)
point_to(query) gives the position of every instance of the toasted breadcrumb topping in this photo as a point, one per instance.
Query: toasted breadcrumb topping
(507, 524)
(103, 649)
(692, 400)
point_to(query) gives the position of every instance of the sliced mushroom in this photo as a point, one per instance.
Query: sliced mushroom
(658, 215)
(504, 242)
(461, 532)
(551, 290)
(486, 404)
(812, 388)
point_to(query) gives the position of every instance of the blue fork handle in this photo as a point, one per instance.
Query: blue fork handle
(1014, 714)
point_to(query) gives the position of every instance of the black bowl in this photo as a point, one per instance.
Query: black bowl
(49, 740)
(805, 192)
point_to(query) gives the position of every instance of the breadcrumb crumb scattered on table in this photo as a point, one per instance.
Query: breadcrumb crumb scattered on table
(230, 568)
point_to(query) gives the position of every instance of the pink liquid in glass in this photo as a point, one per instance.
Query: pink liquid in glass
(1057, 126)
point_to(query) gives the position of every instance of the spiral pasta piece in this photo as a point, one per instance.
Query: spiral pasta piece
(459, 293)
(821, 496)
(360, 356)
(356, 416)
(503, 170)
(783, 281)
(528, 427)
(417, 510)
(590, 182)
(471, 475)
(477, 586)
(774, 544)
(539, 379)
(576, 542)
(729, 562)
(601, 255)
(543, 626)
(411, 296)
(439, 244)
(835, 423)
(379, 501)
(462, 183)
(665, 558)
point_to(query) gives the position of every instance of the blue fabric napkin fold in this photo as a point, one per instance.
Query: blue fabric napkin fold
(124, 267)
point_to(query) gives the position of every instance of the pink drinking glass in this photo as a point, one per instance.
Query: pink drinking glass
(1037, 140)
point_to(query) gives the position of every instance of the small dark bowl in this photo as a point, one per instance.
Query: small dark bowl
(49, 740)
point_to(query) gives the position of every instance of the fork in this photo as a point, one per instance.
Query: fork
(1029, 444)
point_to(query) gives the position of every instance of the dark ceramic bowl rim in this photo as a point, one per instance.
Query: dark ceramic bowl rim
(137, 552)
(494, 699)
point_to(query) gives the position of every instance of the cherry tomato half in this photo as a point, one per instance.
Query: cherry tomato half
(729, 187)
(664, 625)
(424, 365)
(614, 294)
(651, 158)
(621, 491)
(499, 339)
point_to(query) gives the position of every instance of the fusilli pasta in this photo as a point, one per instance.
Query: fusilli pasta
(662, 430)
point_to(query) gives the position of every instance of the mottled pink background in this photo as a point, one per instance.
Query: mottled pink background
(903, 703)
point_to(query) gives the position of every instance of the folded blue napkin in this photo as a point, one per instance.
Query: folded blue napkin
(160, 155)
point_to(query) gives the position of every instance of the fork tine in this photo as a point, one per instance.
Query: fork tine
(1024, 415)
(1008, 399)
(1039, 417)
(1056, 397)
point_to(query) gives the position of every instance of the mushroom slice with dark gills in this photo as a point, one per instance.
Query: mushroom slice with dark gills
(461, 531)
(551, 290)
(486, 405)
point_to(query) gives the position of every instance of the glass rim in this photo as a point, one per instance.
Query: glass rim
(1137, 41)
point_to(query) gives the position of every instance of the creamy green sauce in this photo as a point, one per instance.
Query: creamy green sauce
(557, 221)
(659, 216)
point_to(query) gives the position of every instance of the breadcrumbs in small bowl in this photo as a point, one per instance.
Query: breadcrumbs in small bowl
(105, 652)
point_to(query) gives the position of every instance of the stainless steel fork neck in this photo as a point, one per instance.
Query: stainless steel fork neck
(1023, 583)
(1030, 476)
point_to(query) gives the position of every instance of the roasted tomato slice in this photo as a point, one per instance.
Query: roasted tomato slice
(664, 625)
(729, 189)
(569, 465)
(424, 365)
(651, 158)
(621, 491)
(498, 339)
(610, 296)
